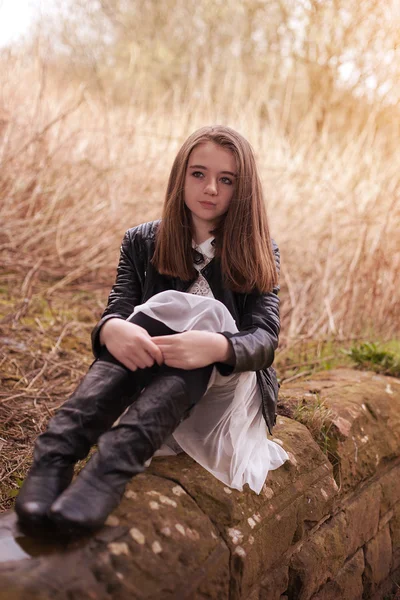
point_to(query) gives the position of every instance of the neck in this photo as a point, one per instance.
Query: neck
(201, 230)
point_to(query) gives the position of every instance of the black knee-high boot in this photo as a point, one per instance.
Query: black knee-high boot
(123, 450)
(105, 392)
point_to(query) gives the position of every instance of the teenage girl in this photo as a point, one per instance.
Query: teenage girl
(183, 351)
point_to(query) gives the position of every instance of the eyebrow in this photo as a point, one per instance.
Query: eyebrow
(205, 168)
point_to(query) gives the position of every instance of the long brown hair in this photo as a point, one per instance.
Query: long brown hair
(243, 242)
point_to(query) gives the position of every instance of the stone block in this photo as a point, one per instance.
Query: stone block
(347, 584)
(253, 555)
(317, 501)
(390, 485)
(362, 516)
(158, 544)
(362, 420)
(273, 585)
(318, 559)
(394, 526)
(259, 529)
(181, 533)
(378, 561)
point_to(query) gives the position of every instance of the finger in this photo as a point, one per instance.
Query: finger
(145, 360)
(126, 360)
(169, 351)
(133, 361)
(170, 362)
(154, 351)
(138, 360)
(151, 359)
(160, 359)
(168, 345)
(177, 364)
(140, 364)
(165, 338)
(145, 356)
(129, 364)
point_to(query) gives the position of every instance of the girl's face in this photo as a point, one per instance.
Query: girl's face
(210, 183)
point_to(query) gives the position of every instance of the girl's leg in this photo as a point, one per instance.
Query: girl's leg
(124, 449)
(104, 393)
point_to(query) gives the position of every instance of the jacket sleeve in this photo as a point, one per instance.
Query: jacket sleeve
(126, 292)
(255, 344)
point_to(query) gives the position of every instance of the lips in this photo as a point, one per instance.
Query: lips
(207, 204)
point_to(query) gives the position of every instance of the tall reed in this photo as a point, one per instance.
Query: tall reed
(78, 169)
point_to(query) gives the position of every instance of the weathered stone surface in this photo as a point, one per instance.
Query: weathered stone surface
(273, 586)
(324, 555)
(389, 589)
(378, 559)
(307, 464)
(347, 584)
(318, 559)
(395, 535)
(180, 533)
(390, 485)
(362, 517)
(362, 418)
(251, 559)
(318, 501)
(159, 545)
(301, 491)
(310, 475)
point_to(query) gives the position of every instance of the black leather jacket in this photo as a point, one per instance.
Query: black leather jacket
(256, 315)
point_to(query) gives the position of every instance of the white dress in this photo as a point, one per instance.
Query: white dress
(225, 432)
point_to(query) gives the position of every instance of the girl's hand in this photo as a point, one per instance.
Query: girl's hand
(130, 344)
(193, 349)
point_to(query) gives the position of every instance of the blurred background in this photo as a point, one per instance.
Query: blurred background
(96, 97)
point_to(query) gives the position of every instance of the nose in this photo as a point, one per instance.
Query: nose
(211, 188)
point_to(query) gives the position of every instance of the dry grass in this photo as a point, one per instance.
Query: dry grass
(77, 171)
(43, 354)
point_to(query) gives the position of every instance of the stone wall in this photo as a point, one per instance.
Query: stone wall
(326, 525)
